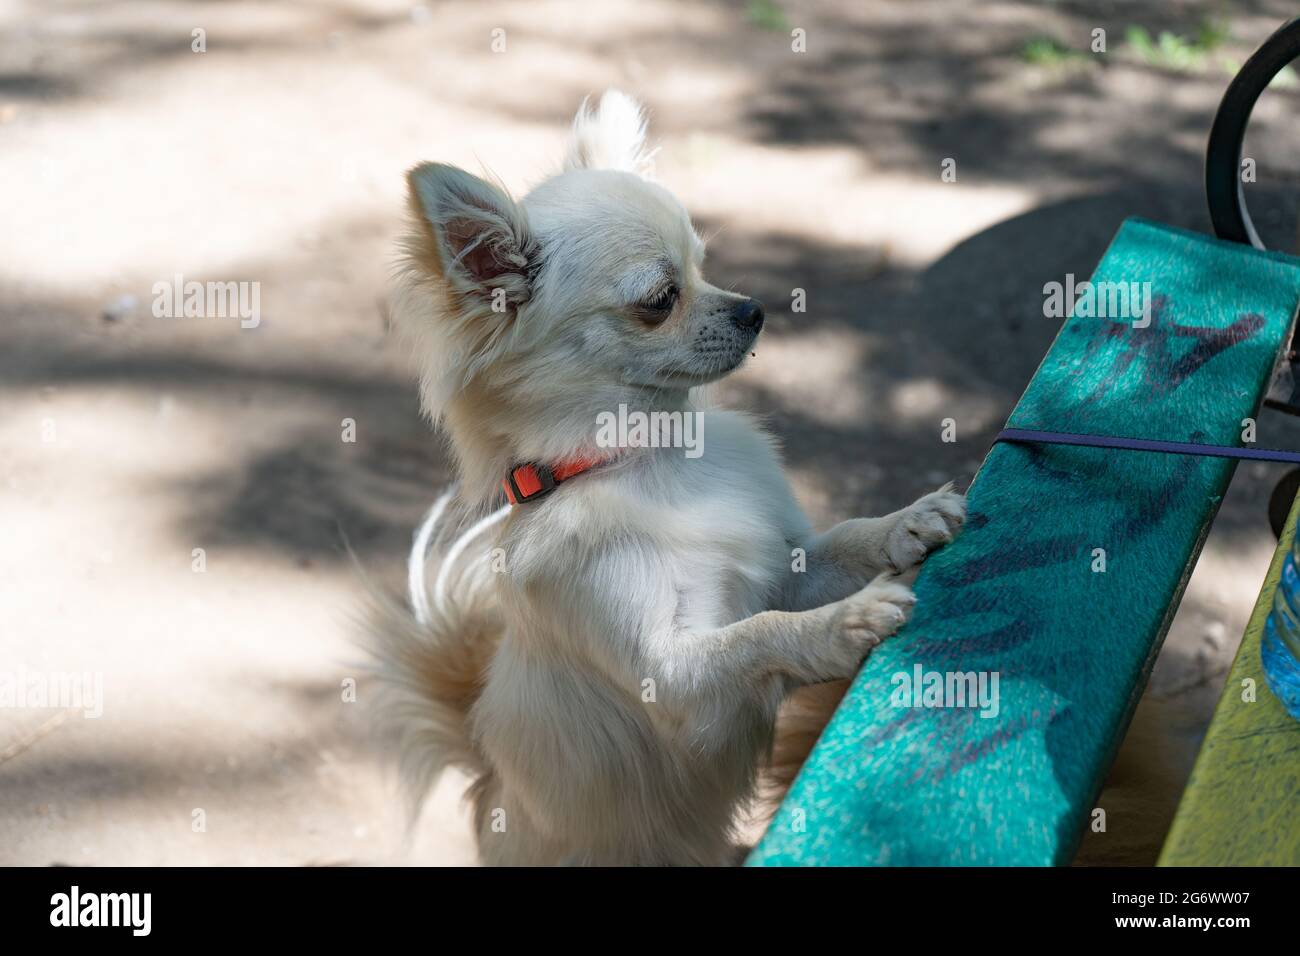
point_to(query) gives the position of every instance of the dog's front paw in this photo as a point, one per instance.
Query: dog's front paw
(864, 620)
(924, 526)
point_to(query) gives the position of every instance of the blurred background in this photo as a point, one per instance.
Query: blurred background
(275, 156)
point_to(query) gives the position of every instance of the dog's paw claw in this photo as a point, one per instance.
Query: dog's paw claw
(925, 526)
(867, 618)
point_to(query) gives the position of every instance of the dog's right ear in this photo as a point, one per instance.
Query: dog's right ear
(472, 236)
(610, 136)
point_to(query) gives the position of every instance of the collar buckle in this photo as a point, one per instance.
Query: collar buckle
(529, 482)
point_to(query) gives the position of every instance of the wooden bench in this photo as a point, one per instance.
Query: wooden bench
(1240, 804)
(1021, 593)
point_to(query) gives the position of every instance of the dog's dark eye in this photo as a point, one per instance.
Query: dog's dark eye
(661, 301)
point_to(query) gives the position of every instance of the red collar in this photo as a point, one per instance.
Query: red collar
(532, 481)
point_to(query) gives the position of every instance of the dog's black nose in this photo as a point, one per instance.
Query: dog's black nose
(749, 315)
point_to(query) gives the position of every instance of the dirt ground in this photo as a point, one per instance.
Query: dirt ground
(276, 157)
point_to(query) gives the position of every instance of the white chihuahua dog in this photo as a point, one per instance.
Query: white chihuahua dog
(608, 661)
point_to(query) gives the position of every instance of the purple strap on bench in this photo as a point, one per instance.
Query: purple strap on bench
(1032, 436)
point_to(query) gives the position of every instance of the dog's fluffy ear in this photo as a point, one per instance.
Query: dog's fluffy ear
(611, 136)
(472, 236)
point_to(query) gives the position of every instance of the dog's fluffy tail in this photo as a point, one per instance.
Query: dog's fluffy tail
(430, 658)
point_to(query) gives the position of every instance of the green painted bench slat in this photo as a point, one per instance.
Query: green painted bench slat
(1016, 595)
(1241, 800)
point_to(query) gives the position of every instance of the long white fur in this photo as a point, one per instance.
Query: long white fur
(417, 585)
(612, 695)
(458, 548)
